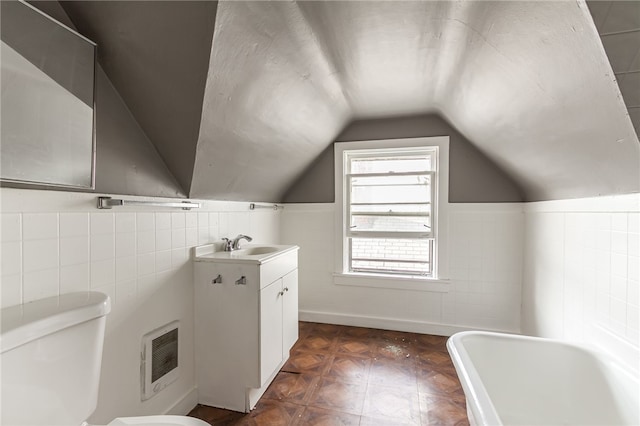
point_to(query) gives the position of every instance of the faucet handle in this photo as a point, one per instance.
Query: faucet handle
(228, 244)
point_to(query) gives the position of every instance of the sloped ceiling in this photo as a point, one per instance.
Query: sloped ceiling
(528, 83)
(618, 23)
(273, 102)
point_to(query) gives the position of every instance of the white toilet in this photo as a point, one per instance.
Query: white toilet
(50, 353)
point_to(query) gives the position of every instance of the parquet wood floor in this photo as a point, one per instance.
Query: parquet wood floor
(340, 375)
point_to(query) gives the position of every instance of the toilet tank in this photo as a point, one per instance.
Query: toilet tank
(50, 356)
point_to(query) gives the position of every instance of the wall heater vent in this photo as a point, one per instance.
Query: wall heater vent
(159, 359)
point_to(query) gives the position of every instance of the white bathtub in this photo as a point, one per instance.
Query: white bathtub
(519, 380)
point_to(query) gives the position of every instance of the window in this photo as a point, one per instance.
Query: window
(391, 213)
(390, 199)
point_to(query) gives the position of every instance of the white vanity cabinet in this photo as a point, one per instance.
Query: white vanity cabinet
(246, 321)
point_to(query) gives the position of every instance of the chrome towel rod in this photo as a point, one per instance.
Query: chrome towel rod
(108, 202)
(254, 206)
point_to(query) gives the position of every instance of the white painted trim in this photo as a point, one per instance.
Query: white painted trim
(441, 219)
(607, 204)
(184, 404)
(392, 282)
(381, 323)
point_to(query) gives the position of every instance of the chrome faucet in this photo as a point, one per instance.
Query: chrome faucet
(231, 245)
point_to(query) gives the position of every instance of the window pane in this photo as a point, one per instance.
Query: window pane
(398, 222)
(410, 256)
(385, 164)
(391, 189)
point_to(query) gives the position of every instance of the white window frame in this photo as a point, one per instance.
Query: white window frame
(351, 155)
(438, 281)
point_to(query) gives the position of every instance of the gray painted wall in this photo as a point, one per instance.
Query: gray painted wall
(473, 178)
(126, 160)
(156, 53)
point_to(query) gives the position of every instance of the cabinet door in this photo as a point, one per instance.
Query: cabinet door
(270, 329)
(289, 311)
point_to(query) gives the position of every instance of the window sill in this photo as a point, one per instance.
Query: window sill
(395, 283)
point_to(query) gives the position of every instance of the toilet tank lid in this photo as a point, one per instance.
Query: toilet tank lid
(21, 324)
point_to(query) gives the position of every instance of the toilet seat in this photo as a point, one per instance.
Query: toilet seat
(157, 421)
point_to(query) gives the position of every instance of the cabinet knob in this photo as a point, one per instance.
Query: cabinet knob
(217, 280)
(242, 281)
(286, 289)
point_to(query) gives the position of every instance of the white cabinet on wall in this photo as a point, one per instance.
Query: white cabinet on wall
(246, 321)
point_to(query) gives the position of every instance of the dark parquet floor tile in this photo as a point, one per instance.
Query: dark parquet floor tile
(429, 359)
(332, 394)
(307, 362)
(440, 382)
(317, 343)
(398, 350)
(272, 413)
(360, 333)
(431, 342)
(292, 387)
(338, 375)
(373, 421)
(216, 416)
(315, 416)
(436, 410)
(387, 372)
(399, 403)
(358, 346)
(349, 368)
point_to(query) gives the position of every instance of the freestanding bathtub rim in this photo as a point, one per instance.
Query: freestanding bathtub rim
(478, 400)
(479, 403)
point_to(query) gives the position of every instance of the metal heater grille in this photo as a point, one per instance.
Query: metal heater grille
(164, 350)
(159, 365)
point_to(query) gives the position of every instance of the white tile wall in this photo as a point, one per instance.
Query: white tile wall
(57, 242)
(11, 227)
(54, 252)
(581, 278)
(74, 224)
(146, 242)
(485, 267)
(102, 223)
(39, 226)
(11, 258)
(576, 265)
(485, 252)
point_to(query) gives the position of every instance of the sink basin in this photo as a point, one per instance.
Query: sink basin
(252, 251)
(247, 254)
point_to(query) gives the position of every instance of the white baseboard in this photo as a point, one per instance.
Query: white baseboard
(185, 404)
(383, 323)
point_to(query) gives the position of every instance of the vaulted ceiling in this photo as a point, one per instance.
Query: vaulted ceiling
(240, 98)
